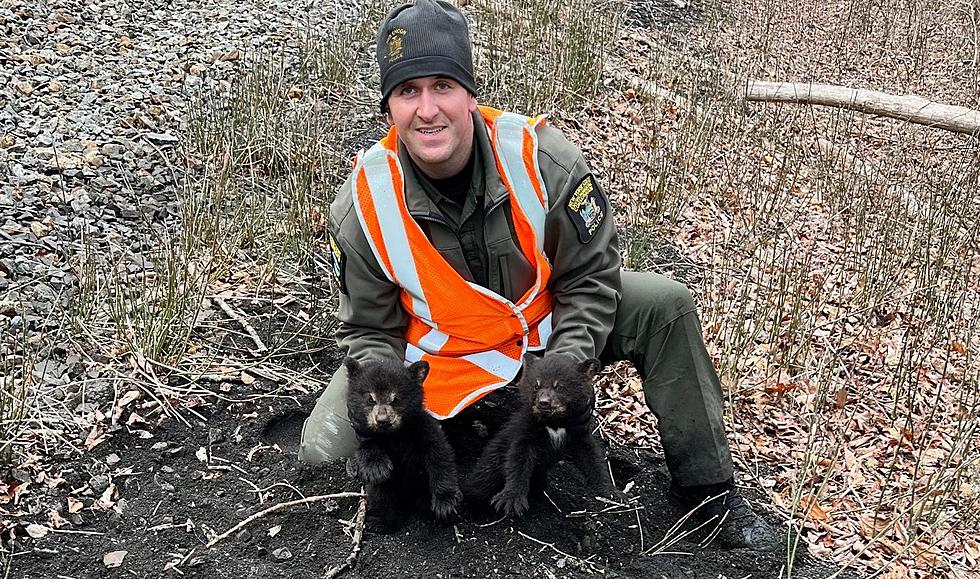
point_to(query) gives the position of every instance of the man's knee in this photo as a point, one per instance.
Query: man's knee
(327, 433)
(655, 298)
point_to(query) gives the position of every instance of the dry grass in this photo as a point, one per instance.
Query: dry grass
(838, 261)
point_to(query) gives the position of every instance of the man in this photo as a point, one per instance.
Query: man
(468, 236)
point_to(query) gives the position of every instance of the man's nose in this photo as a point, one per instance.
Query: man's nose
(427, 106)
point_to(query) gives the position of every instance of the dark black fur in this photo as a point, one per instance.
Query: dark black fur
(403, 455)
(556, 393)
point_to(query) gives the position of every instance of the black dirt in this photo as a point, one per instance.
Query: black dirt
(170, 503)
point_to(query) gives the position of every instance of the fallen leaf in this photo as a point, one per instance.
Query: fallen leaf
(37, 531)
(56, 520)
(247, 378)
(275, 530)
(95, 438)
(74, 505)
(105, 502)
(113, 559)
(202, 454)
(39, 229)
(128, 397)
(813, 510)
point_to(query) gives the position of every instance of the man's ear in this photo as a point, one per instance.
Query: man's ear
(388, 118)
(473, 105)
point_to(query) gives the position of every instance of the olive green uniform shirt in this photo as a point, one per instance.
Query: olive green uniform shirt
(580, 242)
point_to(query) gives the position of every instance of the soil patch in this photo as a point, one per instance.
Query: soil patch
(178, 486)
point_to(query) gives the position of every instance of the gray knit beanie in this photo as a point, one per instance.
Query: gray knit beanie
(427, 38)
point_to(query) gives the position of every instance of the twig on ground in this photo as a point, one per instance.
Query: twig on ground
(260, 347)
(585, 562)
(674, 534)
(357, 538)
(277, 507)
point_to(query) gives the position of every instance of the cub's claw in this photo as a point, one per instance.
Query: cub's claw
(508, 504)
(444, 504)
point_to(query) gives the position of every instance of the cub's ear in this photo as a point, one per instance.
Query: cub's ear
(590, 367)
(419, 370)
(353, 366)
(530, 360)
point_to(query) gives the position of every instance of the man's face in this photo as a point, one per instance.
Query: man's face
(432, 116)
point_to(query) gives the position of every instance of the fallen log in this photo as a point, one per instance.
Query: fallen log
(911, 108)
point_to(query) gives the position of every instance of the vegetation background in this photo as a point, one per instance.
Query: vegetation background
(834, 254)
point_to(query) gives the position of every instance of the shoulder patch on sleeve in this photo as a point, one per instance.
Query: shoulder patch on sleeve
(587, 208)
(338, 261)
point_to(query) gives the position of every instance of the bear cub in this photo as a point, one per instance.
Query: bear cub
(554, 420)
(403, 457)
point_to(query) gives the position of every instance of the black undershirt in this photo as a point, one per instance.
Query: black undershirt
(456, 187)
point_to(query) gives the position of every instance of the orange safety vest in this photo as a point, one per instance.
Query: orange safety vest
(472, 338)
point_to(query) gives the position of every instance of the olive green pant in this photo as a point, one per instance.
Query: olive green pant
(657, 329)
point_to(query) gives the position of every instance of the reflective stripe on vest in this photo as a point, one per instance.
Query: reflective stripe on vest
(472, 337)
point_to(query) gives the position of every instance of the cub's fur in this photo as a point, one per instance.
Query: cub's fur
(555, 419)
(402, 455)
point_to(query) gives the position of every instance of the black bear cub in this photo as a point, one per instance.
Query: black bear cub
(403, 457)
(554, 420)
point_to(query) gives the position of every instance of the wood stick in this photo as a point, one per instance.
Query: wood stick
(277, 507)
(259, 345)
(911, 108)
(358, 536)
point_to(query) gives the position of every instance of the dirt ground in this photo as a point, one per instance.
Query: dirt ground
(178, 486)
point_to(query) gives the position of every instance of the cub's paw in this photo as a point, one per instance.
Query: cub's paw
(444, 503)
(510, 503)
(376, 470)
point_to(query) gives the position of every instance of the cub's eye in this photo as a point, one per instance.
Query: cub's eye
(371, 399)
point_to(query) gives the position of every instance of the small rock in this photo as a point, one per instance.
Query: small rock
(160, 138)
(243, 536)
(112, 459)
(261, 551)
(37, 531)
(282, 554)
(99, 483)
(113, 559)
(215, 436)
(20, 475)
